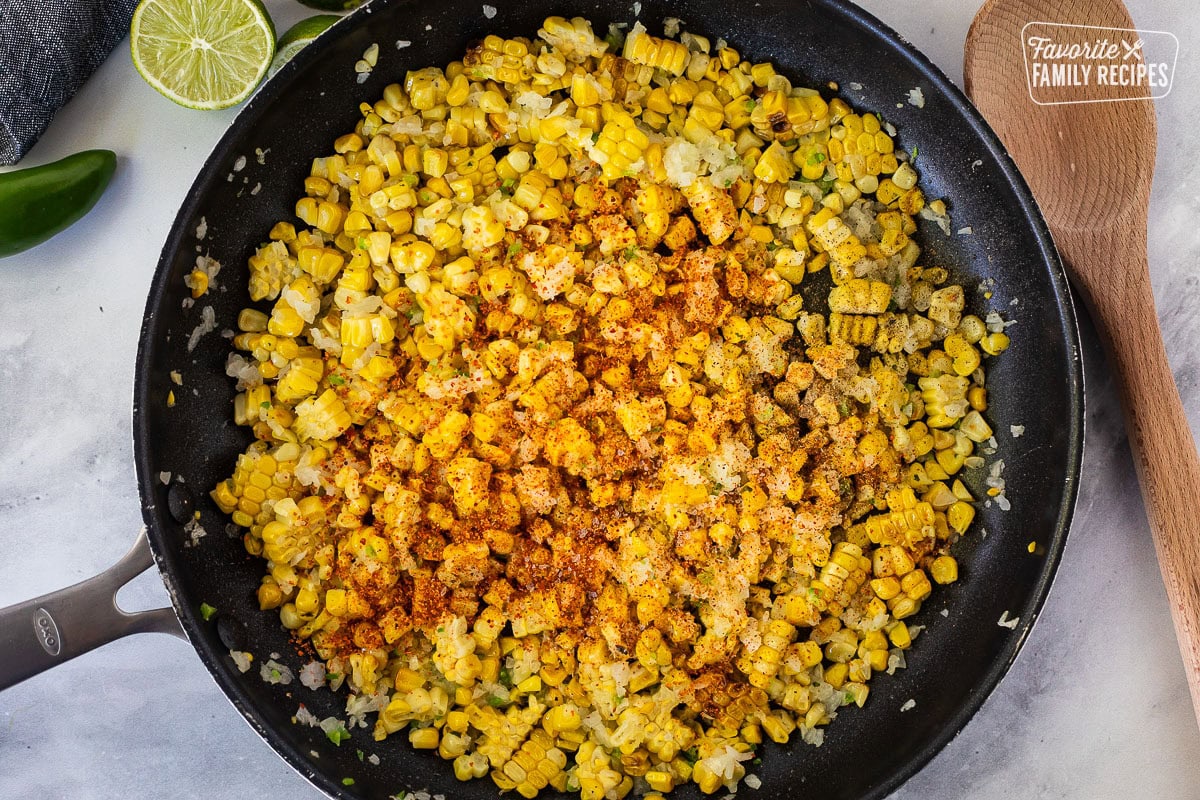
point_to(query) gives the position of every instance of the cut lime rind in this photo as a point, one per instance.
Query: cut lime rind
(297, 37)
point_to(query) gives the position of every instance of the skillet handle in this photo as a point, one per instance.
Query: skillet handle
(48, 630)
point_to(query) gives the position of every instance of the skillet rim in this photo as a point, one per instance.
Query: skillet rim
(164, 547)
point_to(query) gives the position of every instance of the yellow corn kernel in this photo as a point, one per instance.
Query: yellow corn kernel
(994, 343)
(960, 516)
(642, 48)
(198, 281)
(775, 165)
(424, 738)
(944, 569)
(886, 588)
(916, 585)
(708, 781)
(835, 675)
(335, 602)
(659, 780)
(977, 397)
(434, 162)
(330, 217)
(860, 296)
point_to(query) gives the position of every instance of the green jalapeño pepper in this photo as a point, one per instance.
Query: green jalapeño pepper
(38, 202)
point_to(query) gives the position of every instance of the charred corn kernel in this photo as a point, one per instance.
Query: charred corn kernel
(911, 202)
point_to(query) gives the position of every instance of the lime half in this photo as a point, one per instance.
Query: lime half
(297, 37)
(202, 55)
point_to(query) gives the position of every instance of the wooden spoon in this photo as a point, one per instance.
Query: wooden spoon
(1090, 167)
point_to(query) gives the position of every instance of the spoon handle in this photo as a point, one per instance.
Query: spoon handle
(1164, 453)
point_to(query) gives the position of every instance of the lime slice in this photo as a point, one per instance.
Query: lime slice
(297, 37)
(202, 55)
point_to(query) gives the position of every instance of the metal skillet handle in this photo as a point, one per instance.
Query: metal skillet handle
(48, 630)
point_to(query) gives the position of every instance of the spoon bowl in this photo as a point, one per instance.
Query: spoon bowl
(1090, 164)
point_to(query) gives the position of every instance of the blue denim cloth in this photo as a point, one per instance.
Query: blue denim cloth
(48, 48)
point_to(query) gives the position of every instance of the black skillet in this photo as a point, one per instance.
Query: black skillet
(952, 666)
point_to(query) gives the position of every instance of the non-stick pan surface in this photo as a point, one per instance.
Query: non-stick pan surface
(963, 652)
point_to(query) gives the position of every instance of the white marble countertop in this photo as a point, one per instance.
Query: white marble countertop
(1096, 706)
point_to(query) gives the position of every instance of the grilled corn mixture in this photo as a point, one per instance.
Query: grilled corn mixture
(553, 466)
